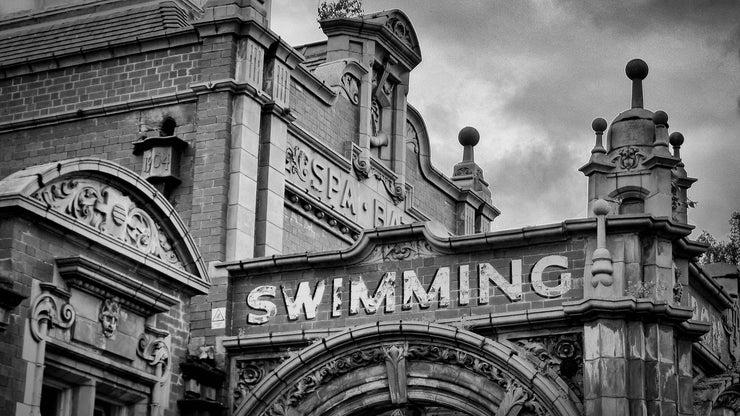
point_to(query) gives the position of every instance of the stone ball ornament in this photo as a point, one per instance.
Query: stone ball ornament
(601, 207)
(598, 125)
(636, 69)
(660, 118)
(676, 139)
(468, 136)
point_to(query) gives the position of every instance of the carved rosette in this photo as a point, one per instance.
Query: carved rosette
(110, 212)
(46, 310)
(154, 351)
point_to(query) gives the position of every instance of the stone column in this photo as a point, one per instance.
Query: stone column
(243, 160)
(271, 160)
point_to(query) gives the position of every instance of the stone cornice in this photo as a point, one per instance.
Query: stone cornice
(717, 295)
(313, 85)
(99, 279)
(483, 241)
(645, 309)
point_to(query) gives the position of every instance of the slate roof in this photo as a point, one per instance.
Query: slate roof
(86, 32)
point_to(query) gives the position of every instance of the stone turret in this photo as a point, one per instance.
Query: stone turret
(635, 171)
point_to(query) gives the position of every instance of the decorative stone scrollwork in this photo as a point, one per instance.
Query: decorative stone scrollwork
(397, 191)
(110, 312)
(400, 30)
(248, 374)
(387, 354)
(400, 251)
(629, 157)
(45, 310)
(154, 351)
(109, 211)
(322, 375)
(296, 162)
(561, 354)
(361, 165)
(728, 400)
(412, 137)
(375, 110)
(351, 88)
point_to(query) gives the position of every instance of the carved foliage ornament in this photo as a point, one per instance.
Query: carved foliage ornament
(629, 157)
(296, 162)
(248, 374)
(400, 251)
(46, 311)
(109, 211)
(412, 137)
(516, 395)
(561, 354)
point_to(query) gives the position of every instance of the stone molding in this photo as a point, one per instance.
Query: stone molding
(363, 346)
(103, 281)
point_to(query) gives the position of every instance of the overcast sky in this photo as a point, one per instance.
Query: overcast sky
(532, 75)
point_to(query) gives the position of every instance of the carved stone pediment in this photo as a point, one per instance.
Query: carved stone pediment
(110, 211)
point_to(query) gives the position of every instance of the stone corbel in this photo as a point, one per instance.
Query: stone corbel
(155, 352)
(395, 364)
(361, 163)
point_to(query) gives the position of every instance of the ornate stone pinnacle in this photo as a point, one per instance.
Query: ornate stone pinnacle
(636, 70)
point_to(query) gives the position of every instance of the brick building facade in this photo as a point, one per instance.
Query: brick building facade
(197, 218)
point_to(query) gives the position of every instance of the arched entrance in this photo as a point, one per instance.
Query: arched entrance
(408, 368)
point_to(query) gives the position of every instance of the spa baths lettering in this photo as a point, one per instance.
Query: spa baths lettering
(548, 278)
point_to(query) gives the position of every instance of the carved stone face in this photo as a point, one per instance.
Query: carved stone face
(110, 311)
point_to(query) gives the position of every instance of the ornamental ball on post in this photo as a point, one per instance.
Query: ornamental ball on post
(468, 136)
(676, 139)
(601, 207)
(660, 118)
(636, 69)
(599, 125)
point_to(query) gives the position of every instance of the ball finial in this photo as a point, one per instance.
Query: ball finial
(468, 136)
(600, 207)
(599, 125)
(676, 139)
(660, 118)
(636, 69)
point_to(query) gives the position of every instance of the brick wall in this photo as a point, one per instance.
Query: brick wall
(33, 249)
(302, 234)
(334, 125)
(428, 198)
(117, 80)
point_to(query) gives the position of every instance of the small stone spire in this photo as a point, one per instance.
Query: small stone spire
(636, 70)
(469, 177)
(468, 138)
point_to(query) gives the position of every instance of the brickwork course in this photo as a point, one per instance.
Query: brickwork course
(197, 218)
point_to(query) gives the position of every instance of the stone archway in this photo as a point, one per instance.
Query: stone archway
(403, 367)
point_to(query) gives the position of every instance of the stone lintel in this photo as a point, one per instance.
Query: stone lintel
(101, 280)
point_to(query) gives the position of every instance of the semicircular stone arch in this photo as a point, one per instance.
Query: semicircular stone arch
(400, 367)
(107, 202)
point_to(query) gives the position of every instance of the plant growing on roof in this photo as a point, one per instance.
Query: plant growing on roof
(339, 8)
